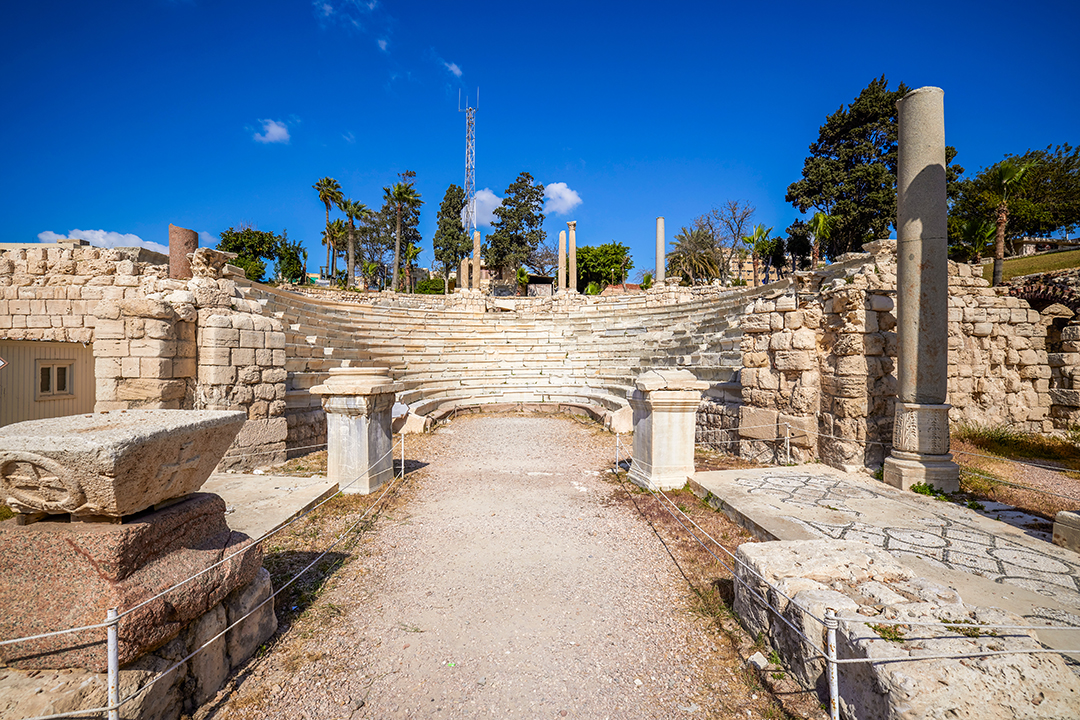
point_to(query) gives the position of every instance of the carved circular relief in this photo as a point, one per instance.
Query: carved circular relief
(32, 483)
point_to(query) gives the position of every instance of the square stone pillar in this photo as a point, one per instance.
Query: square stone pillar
(665, 404)
(358, 403)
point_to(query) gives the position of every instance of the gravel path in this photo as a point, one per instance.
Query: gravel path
(508, 586)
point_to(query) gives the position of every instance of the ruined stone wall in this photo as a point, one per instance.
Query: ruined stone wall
(157, 342)
(819, 364)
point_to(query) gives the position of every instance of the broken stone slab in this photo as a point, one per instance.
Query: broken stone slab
(59, 575)
(111, 464)
(1067, 530)
(861, 581)
(669, 380)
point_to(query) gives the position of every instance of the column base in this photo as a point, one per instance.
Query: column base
(902, 470)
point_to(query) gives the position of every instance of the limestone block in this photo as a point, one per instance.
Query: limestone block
(148, 390)
(244, 639)
(755, 359)
(214, 356)
(256, 433)
(780, 340)
(111, 464)
(804, 339)
(793, 360)
(794, 320)
(216, 374)
(802, 428)
(755, 324)
(880, 303)
(209, 667)
(756, 423)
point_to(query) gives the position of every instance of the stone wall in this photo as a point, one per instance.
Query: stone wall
(819, 363)
(158, 342)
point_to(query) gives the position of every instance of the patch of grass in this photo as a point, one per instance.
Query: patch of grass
(1007, 441)
(968, 629)
(6, 513)
(774, 657)
(929, 490)
(892, 633)
(1017, 267)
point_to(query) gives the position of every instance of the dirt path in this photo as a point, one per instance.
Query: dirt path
(509, 585)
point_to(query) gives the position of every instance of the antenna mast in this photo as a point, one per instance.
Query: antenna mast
(470, 160)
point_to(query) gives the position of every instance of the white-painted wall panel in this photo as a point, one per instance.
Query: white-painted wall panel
(18, 380)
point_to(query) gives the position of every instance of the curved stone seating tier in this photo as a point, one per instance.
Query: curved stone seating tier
(452, 360)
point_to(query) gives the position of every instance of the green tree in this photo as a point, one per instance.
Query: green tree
(821, 227)
(1008, 175)
(969, 241)
(851, 172)
(292, 261)
(253, 248)
(402, 196)
(451, 240)
(329, 194)
(725, 226)
(518, 229)
(761, 244)
(694, 255)
(799, 244)
(353, 210)
(604, 265)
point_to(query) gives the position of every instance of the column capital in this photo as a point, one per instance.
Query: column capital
(572, 224)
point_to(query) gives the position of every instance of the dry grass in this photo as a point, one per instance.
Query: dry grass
(770, 694)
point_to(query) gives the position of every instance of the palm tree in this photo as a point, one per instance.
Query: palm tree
(1008, 176)
(329, 194)
(353, 210)
(975, 237)
(821, 226)
(401, 195)
(370, 269)
(760, 244)
(334, 236)
(694, 255)
(411, 253)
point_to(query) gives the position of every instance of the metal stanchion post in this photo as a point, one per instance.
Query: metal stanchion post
(830, 660)
(113, 650)
(618, 452)
(787, 444)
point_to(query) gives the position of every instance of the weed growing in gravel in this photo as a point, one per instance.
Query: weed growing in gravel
(967, 628)
(1007, 441)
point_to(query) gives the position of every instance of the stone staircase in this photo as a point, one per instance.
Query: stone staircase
(452, 360)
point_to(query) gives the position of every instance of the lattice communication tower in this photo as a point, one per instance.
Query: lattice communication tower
(470, 160)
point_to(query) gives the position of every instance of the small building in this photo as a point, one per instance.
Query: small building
(540, 286)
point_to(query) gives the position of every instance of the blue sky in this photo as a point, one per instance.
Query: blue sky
(122, 117)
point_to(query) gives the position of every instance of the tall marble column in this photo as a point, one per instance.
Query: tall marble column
(572, 224)
(661, 252)
(921, 422)
(475, 285)
(463, 275)
(562, 260)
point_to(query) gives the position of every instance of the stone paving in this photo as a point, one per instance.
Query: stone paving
(990, 562)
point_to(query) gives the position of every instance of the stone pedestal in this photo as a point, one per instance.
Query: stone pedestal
(921, 424)
(182, 242)
(358, 402)
(665, 404)
(661, 252)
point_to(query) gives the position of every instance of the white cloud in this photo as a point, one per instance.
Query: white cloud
(452, 67)
(486, 202)
(382, 43)
(208, 240)
(325, 8)
(560, 198)
(349, 138)
(105, 239)
(273, 132)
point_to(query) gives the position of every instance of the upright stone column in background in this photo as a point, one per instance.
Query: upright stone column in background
(572, 224)
(921, 423)
(475, 284)
(182, 242)
(661, 252)
(562, 260)
(463, 275)
(358, 402)
(665, 404)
